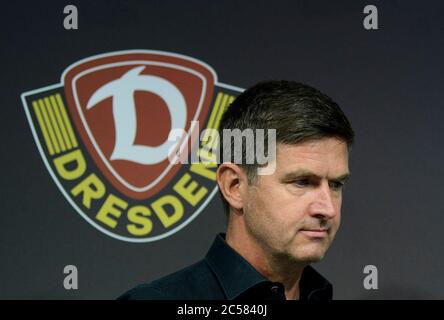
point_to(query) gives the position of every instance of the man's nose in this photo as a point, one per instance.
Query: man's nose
(324, 203)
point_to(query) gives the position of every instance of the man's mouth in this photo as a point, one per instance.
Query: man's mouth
(315, 233)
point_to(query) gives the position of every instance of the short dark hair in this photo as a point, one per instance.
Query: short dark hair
(297, 111)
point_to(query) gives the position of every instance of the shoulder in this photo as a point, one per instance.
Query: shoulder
(193, 282)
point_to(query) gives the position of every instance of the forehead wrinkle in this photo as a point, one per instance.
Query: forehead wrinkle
(310, 160)
(315, 147)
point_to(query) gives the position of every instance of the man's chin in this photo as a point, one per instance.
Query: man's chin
(309, 257)
(309, 252)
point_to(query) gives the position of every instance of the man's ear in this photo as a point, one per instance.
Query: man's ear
(231, 178)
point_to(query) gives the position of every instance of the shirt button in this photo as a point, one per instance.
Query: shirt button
(275, 289)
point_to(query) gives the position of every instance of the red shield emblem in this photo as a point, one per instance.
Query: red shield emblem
(124, 107)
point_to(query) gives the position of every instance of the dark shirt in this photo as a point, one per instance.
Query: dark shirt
(224, 274)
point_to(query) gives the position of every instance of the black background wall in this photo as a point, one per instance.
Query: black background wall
(388, 81)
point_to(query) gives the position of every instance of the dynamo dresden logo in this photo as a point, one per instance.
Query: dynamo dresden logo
(103, 135)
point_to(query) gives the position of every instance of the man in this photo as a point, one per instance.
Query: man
(280, 222)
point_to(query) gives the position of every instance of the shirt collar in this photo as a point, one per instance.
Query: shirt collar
(236, 275)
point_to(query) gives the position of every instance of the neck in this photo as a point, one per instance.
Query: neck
(272, 266)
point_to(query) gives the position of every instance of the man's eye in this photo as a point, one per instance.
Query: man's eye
(302, 182)
(336, 185)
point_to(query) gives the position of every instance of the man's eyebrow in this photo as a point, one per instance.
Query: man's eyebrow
(343, 177)
(307, 173)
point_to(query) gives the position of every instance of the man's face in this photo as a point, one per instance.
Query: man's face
(295, 212)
